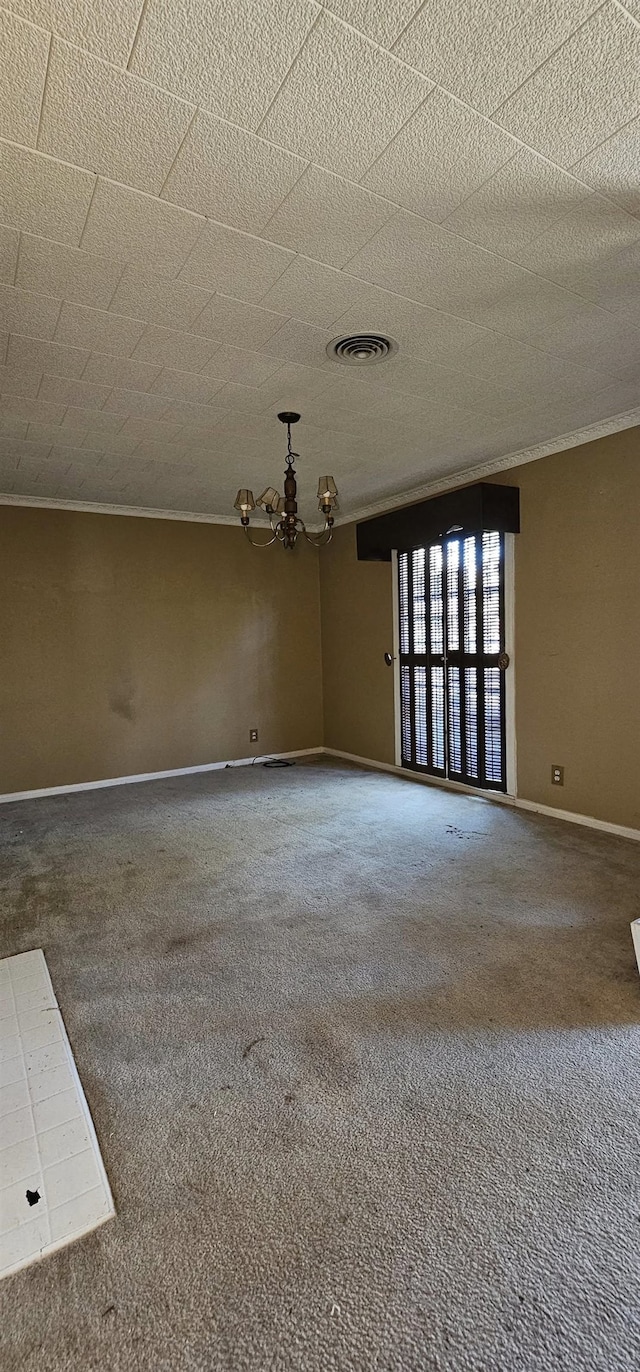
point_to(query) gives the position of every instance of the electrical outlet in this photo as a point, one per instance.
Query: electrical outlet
(253, 735)
(557, 776)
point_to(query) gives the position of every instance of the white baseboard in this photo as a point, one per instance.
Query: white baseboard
(588, 820)
(422, 777)
(496, 796)
(149, 776)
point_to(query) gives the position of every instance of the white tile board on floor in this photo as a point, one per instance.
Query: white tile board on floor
(48, 1145)
(635, 934)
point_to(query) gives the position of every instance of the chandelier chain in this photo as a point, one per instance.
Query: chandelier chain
(290, 452)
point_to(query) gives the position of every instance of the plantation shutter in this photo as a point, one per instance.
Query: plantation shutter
(451, 642)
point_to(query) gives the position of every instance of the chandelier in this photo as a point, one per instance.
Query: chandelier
(286, 528)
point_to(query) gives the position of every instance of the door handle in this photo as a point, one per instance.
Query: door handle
(389, 659)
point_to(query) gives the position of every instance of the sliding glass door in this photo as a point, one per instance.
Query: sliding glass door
(452, 659)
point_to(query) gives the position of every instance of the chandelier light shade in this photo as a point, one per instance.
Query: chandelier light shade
(327, 492)
(245, 502)
(289, 525)
(271, 501)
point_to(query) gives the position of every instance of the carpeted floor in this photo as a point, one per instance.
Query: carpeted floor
(363, 1059)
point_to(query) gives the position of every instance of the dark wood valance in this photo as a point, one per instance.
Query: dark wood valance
(473, 508)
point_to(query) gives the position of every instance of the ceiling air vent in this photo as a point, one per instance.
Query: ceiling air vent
(361, 349)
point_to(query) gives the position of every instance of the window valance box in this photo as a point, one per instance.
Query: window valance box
(469, 509)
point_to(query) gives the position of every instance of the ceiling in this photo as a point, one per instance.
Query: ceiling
(196, 198)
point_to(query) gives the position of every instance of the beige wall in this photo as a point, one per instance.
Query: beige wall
(138, 645)
(357, 630)
(578, 628)
(577, 659)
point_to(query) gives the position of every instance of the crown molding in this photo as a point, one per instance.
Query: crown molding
(135, 511)
(39, 502)
(614, 424)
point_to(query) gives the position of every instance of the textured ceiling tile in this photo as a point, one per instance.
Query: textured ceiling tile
(245, 399)
(189, 412)
(46, 357)
(593, 339)
(520, 306)
(524, 199)
(403, 374)
(585, 239)
(80, 327)
(230, 175)
(453, 394)
(106, 370)
(23, 63)
(247, 429)
(145, 295)
(302, 343)
(233, 321)
(9, 239)
(22, 456)
(64, 456)
(17, 381)
(418, 330)
(186, 386)
(117, 444)
(168, 346)
(143, 404)
(421, 260)
(343, 100)
(67, 391)
(487, 397)
(482, 51)
(351, 407)
(23, 312)
(105, 29)
(193, 435)
(613, 399)
(517, 364)
(43, 433)
(59, 270)
(234, 263)
(312, 292)
(614, 167)
(127, 130)
(37, 411)
(441, 155)
(149, 452)
(140, 229)
(144, 429)
(231, 58)
(383, 22)
(11, 427)
(95, 421)
(583, 93)
(236, 364)
(614, 284)
(43, 196)
(293, 386)
(327, 218)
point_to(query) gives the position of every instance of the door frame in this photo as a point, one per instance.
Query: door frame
(397, 705)
(510, 677)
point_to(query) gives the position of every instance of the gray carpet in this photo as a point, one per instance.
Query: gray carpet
(363, 1061)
